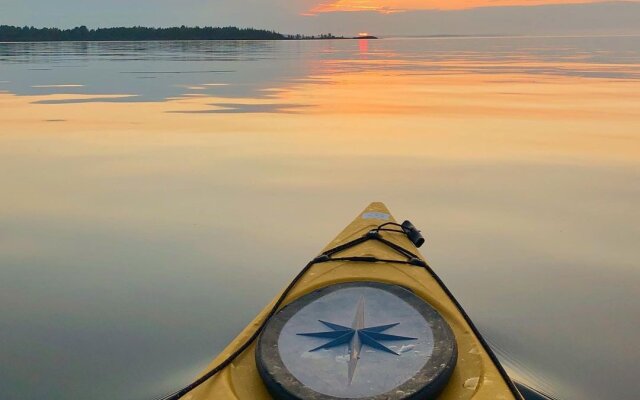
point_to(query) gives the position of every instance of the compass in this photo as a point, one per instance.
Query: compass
(357, 340)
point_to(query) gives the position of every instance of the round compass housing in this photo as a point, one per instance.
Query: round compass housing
(357, 340)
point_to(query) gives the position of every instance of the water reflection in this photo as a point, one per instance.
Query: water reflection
(156, 71)
(239, 108)
(152, 71)
(139, 209)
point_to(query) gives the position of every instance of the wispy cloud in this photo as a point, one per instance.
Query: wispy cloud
(356, 5)
(396, 6)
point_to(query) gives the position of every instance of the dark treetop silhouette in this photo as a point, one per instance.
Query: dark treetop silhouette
(82, 33)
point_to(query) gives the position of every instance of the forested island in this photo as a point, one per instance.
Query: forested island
(140, 33)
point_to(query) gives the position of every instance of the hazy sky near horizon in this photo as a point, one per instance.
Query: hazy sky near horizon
(383, 17)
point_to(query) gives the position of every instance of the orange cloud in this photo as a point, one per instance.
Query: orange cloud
(394, 6)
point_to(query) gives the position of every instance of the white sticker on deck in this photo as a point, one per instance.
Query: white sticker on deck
(375, 215)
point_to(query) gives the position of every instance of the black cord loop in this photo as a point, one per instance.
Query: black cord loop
(411, 259)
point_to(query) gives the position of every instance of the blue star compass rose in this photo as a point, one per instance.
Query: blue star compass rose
(303, 348)
(356, 336)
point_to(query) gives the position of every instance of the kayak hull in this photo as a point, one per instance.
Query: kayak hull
(477, 375)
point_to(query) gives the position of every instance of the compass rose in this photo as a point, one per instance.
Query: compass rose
(356, 336)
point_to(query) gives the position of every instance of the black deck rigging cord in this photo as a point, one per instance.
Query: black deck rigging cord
(406, 228)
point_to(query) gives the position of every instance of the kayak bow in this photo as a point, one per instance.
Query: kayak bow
(367, 319)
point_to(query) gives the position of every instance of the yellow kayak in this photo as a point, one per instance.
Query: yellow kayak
(366, 319)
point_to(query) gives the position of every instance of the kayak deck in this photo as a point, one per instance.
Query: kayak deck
(476, 374)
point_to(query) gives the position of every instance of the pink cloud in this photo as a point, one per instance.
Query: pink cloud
(395, 6)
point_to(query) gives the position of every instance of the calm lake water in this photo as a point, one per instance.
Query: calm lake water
(156, 195)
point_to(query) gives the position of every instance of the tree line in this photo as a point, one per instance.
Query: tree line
(82, 33)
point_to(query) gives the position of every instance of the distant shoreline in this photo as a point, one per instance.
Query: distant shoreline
(16, 34)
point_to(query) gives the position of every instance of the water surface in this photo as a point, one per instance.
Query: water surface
(156, 195)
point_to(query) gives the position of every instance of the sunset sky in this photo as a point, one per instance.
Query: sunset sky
(392, 6)
(382, 17)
